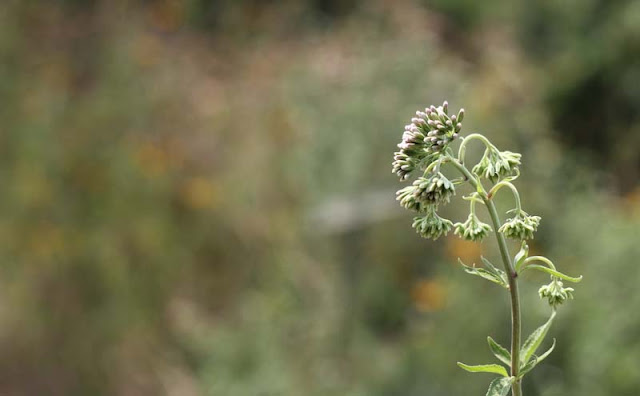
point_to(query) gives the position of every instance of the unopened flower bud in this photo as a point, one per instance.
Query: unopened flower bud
(555, 293)
(521, 226)
(425, 137)
(431, 225)
(497, 164)
(435, 189)
(472, 229)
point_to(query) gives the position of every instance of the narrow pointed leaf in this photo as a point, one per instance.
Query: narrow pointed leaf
(495, 270)
(555, 273)
(490, 266)
(499, 351)
(481, 272)
(535, 360)
(548, 352)
(499, 387)
(529, 366)
(535, 339)
(485, 368)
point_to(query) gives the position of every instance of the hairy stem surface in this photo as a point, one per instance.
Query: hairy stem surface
(513, 282)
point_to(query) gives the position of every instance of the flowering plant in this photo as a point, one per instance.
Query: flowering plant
(426, 148)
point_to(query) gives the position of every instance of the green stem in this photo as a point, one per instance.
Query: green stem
(541, 259)
(513, 283)
(514, 190)
(463, 146)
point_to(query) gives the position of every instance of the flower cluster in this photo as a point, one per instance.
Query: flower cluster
(426, 191)
(426, 137)
(521, 226)
(497, 164)
(431, 225)
(555, 293)
(435, 189)
(473, 229)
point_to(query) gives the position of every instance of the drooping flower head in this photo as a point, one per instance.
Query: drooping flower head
(431, 226)
(497, 164)
(521, 226)
(472, 229)
(555, 293)
(434, 189)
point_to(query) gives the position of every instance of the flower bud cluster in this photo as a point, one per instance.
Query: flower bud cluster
(428, 134)
(431, 225)
(425, 191)
(435, 189)
(521, 226)
(497, 164)
(473, 229)
(555, 293)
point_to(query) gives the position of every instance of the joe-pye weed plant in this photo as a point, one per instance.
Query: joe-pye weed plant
(425, 149)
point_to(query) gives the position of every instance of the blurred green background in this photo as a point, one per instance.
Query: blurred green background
(197, 197)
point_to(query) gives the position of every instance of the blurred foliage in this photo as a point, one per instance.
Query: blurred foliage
(197, 196)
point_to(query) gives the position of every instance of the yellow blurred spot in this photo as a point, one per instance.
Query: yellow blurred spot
(152, 160)
(199, 193)
(46, 241)
(467, 251)
(428, 295)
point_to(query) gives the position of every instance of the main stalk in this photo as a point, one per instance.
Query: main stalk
(512, 275)
(515, 298)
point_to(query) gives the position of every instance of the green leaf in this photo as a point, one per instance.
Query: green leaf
(485, 368)
(535, 339)
(499, 387)
(528, 367)
(548, 352)
(481, 272)
(535, 360)
(555, 273)
(500, 273)
(499, 351)
(521, 255)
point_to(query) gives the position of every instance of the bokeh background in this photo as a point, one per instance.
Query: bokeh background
(196, 196)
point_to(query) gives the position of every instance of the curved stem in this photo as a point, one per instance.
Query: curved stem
(434, 164)
(469, 177)
(472, 207)
(463, 146)
(514, 190)
(513, 283)
(539, 258)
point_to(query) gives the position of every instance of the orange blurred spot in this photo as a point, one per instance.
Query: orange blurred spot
(147, 50)
(428, 295)
(199, 193)
(632, 200)
(467, 251)
(168, 15)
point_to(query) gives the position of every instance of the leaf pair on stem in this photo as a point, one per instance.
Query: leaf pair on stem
(528, 359)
